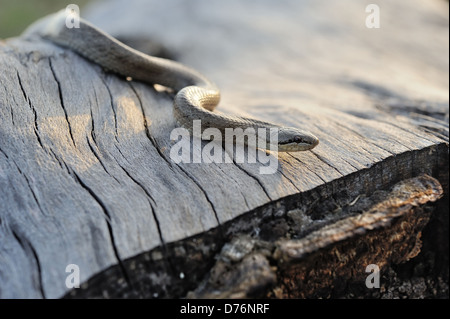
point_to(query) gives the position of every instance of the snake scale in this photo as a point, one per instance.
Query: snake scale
(196, 97)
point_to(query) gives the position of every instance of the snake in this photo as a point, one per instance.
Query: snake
(195, 98)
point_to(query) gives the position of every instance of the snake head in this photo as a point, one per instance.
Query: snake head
(293, 140)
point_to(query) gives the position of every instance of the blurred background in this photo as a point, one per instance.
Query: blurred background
(16, 15)
(309, 46)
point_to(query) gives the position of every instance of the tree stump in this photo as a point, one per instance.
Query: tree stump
(86, 176)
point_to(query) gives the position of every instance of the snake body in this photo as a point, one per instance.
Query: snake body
(196, 97)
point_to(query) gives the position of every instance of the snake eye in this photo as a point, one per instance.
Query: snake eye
(298, 139)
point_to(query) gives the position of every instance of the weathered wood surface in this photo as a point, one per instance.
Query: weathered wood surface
(85, 172)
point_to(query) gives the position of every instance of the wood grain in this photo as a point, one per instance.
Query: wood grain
(86, 176)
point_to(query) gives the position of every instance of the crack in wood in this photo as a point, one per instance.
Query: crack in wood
(372, 142)
(96, 144)
(436, 132)
(123, 156)
(364, 139)
(254, 178)
(3, 152)
(29, 186)
(108, 224)
(155, 145)
(26, 244)
(230, 176)
(205, 193)
(339, 143)
(412, 132)
(36, 127)
(319, 157)
(298, 160)
(290, 180)
(146, 129)
(11, 111)
(91, 147)
(150, 198)
(111, 99)
(61, 163)
(61, 100)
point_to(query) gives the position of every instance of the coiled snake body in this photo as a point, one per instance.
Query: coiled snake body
(196, 96)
